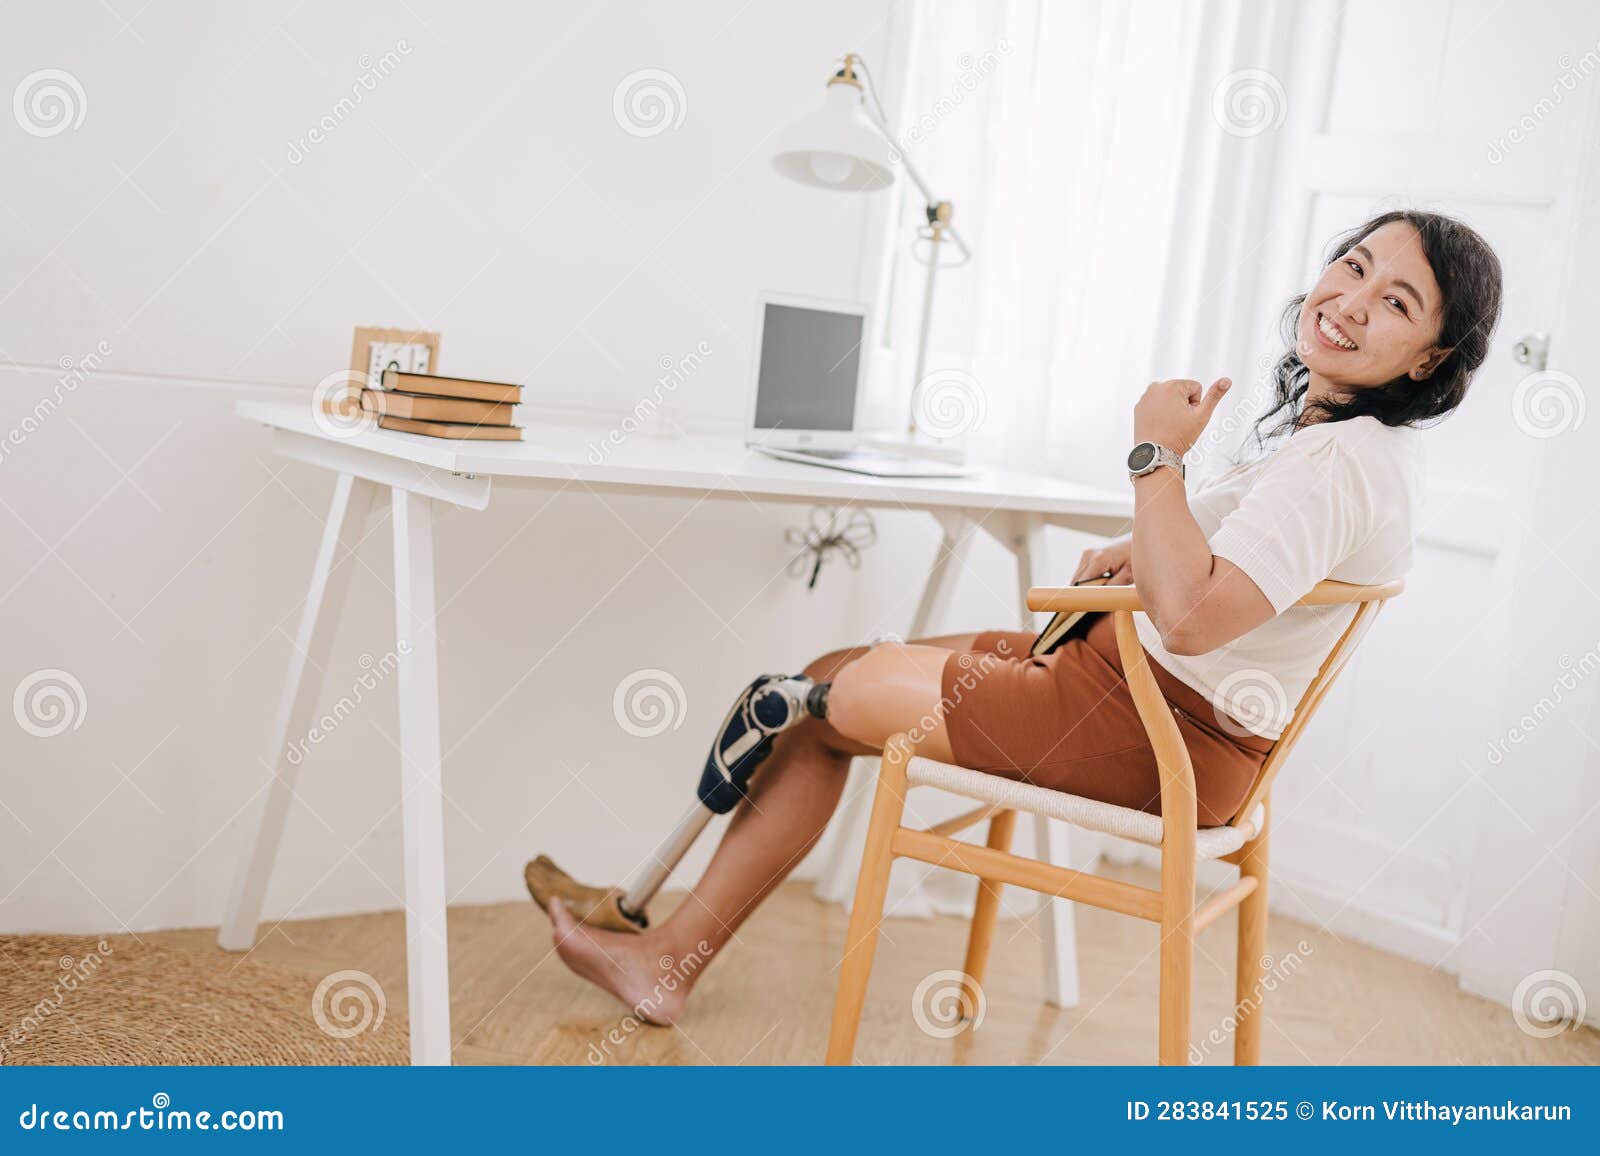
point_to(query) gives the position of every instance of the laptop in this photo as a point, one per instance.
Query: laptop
(810, 358)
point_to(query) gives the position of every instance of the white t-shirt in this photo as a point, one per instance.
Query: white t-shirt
(1335, 500)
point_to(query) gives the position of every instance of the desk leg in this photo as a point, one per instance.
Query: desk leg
(341, 533)
(422, 799)
(947, 566)
(1051, 837)
(836, 881)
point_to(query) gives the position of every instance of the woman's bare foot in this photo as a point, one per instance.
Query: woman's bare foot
(633, 968)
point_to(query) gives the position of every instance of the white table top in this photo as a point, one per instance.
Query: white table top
(563, 451)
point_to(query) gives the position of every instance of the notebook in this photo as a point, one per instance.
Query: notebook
(1066, 623)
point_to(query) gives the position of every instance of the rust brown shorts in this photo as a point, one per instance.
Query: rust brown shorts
(1067, 721)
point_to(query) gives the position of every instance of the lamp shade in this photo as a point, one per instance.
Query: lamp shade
(836, 147)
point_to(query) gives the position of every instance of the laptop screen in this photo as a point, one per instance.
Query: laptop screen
(810, 364)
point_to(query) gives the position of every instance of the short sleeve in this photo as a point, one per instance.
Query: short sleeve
(1307, 510)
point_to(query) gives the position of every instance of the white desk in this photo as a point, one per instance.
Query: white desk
(416, 472)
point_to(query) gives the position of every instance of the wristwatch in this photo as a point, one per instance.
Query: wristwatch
(1148, 457)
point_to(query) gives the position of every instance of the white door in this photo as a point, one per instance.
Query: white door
(1394, 807)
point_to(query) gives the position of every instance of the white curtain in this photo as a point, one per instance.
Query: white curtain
(1114, 219)
(1059, 131)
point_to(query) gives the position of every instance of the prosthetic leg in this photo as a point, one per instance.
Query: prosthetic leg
(767, 707)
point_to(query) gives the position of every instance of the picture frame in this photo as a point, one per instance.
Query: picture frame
(374, 349)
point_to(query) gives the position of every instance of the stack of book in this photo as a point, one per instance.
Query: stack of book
(445, 407)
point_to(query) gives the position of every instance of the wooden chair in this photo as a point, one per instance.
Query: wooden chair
(1242, 842)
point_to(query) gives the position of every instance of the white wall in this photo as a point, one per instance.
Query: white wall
(1395, 823)
(152, 546)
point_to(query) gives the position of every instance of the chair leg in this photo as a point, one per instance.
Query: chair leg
(984, 913)
(1249, 967)
(1177, 953)
(861, 941)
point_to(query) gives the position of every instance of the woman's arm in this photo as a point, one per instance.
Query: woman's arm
(1197, 601)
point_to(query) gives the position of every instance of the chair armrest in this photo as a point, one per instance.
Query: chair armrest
(1087, 598)
(1058, 598)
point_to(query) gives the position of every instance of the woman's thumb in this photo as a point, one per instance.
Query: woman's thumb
(1215, 394)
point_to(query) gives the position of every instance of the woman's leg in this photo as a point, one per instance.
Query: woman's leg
(876, 693)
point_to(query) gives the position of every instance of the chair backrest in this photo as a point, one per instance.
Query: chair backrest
(1368, 600)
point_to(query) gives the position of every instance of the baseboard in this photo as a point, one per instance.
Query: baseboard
(1304, 899)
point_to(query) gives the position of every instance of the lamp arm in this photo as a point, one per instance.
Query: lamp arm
(877, 118)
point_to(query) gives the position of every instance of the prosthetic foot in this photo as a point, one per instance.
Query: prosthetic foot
(596, 906)
(767, 707)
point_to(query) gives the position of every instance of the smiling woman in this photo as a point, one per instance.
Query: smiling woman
(1386, 339)
(1395, 327)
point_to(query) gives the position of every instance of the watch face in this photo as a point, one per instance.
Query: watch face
(1143, 454)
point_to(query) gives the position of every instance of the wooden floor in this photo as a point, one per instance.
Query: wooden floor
(768, 999)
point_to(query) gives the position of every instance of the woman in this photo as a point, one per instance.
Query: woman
(1385, 341)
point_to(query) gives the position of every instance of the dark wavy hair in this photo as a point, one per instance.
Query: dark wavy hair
(1468, 273)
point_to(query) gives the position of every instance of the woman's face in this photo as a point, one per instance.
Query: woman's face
(1374, 314)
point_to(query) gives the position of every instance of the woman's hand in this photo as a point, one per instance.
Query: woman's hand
(1115, 558)
(1173, 413)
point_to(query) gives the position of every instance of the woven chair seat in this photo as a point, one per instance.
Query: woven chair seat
(1090, 814)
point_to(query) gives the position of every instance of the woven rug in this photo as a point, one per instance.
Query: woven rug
(114, 1000)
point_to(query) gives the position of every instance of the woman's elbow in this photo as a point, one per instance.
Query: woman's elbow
(1186, 641)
